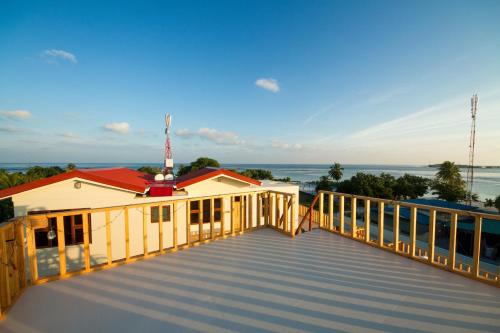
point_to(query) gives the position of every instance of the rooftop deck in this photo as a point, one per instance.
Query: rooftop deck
(263, 281)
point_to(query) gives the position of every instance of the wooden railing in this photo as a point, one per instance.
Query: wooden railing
(348, 223)
(236, 215)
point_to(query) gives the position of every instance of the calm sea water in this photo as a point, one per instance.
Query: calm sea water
(486, 181)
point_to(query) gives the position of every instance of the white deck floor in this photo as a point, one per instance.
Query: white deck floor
(263, 282)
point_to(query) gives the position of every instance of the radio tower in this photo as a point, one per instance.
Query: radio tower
(472, 142)
(168, 165)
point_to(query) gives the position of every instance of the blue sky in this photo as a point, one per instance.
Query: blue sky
(249, 81)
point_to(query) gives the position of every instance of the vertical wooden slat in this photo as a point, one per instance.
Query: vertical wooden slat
(232, 214)
(212, 218)
(250, 211)
(292, 223)
(413, 230)
(259, 208)
(160, 228)
(108, 237)
(30, 240)
(127, 233)
(86, 241)
(477, 246)
(453, 241)
(354, 227)
(432, 234)
(381, 208)
(285, 213)
(222, 217)
(367, 220)
(243, 220)
(271, 210)
(61, 246)
(277, 215)
(145, 231)
(330, 211)
(341, 215)
(188, 223)
(73, 232)
(20, 257)
(200, 221)
(5, 295)
(321, 210)
(174, 227)
(395, 227)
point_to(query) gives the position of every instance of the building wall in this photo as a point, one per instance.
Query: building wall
(64, 195)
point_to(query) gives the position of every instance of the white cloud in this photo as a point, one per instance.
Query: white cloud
(53, 55)
(268, 84)
(211, 134)
(120, 128)
(69, 135)
(386, 96)
(283, 145)
(16, 114)
(10, 129)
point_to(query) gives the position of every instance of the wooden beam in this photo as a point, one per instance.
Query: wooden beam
(292, 223)
(61, 246)
(30, 243)
(285, 213)
(432, 234)
(108, 237)
(330, 211)
(174, 226)
(250, 211)
(233, 200)
(144, 231)
(160, 229)
(5, 294)
(127, 233)
(271, 210)
(321, 210)
(188, 223)
(413, 230)
(222, 217)
(477, 246)
(278, 200)
(341, 215)
(212, 218)
(381, 210)
(367, 220)
(453, 241)
(243, 220)
(200, 221)
(395, 227)
(19, 229)
(86, 241)
(354, 227)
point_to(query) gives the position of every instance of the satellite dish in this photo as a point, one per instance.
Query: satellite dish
(159, 177)
(169, 177)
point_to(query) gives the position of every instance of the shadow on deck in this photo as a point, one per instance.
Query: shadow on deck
(262, 281)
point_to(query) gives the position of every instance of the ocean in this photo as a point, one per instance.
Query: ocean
(486, 181)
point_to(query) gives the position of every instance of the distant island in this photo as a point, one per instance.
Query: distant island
(463, 166)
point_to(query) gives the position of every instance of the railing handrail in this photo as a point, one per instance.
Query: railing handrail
(422, 206)
(299, 227)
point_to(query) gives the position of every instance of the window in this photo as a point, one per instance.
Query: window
(155, 214)
(207, 210)
(73, 232)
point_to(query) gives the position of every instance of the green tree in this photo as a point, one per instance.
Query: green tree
(200, 163)
(258, 174)
(71, 167)
(489, 203)
(11, 179)
(324, 184)
(410, 187)
(150, 170)
(449, 184)
(336, 171)
(38, 172)
(497, 203)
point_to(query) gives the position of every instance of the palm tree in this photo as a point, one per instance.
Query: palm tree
(448, 172)
(489, 203)
(336, 171)
(449, 184)
(11, 179)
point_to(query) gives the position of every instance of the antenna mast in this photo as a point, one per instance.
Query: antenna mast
(472, 142)
(168, 165)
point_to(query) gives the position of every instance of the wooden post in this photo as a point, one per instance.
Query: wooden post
(160, 228)
(19, 229)
(330, 211)
(321, 210)
(354, 227)
(212, 218)
(127, 234)
(232, 214)
(200, 221)
(381, 209)
(272, 211)
(413, 230)
(5, 298)
(367, 220)
(453, 241)
(30, 240)
(86, 241)
(292, 223)
(395, 228)
(108, 237)
(285, 213)
(277, 215)
(188, 223)
(432, 234)
(477, 246)
(341, 214)
(174, 222)
(222, 217)
(61, 246)
(250, 211)
(311, 210)
(144, 231)
(243, 219)
(259, 208)
(73, 232)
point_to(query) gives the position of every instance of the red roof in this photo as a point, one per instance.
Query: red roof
(207, 173)
(123, 178)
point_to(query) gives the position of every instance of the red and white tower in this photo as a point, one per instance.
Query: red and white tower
(168, 165)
